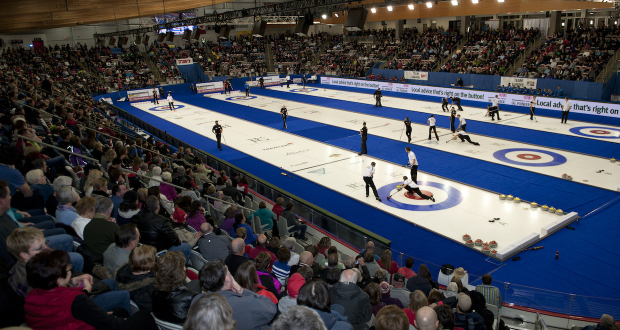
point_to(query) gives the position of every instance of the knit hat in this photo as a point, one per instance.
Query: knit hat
(294, 285)
(385, 288)
(130, 197)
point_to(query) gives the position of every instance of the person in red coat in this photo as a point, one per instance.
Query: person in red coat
(58, 301)
(386, 262)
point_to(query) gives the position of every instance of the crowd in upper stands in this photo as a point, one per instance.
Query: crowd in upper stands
(578, 55)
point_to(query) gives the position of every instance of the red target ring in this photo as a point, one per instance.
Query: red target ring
(416, 197)
(599, 131)
(529, 156)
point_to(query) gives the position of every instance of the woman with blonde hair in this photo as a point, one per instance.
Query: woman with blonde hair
(137, 275)
(386, 262)
(417, 301)
(171, 298)
(92, 176)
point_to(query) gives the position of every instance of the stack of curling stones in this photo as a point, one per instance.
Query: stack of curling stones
(533, 205)
(567, 177)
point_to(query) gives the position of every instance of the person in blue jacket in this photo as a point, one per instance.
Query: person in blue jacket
(559, 92)
(509, 89)
(247, 88)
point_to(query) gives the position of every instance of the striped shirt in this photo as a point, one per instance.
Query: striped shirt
(281, 270)
(491, 294)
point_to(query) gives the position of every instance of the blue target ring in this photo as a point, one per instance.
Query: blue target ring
(166, 107)
(557, 158)
(240, 98)
(304, 90)
(455, 197)
(616, 135)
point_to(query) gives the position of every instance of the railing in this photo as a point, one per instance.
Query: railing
(610, 69)
(339, 227)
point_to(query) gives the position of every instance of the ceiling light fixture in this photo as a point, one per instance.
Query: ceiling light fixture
(475, 1)
(410, 7)
(324, 16)
(429, 5)
(389, 8)
(373, 10)
(336, 14)
(455, 2)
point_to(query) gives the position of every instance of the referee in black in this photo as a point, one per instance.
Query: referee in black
(378, 96)
(155, 96)
(284, 113)
(364, 134)
(452, 119)
(303, 80)
(408, 129)
(369, 172)
(217, 130)
(444, 104)
(457, 100)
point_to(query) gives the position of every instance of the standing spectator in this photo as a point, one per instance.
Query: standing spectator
(491, 293)
(356, 302)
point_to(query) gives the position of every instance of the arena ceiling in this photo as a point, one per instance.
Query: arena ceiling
(28, 15)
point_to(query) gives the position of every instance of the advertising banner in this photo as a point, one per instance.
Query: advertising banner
(519, 82)
(141, 94)
(523, 100)
(184, 61)
(212, 87)
(270, 80)
(417, 75)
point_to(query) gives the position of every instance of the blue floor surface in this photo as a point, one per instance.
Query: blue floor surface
(577, 271)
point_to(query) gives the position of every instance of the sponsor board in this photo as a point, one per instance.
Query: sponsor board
(417, 75)
(270, 80)
(184, 61)
(549, 103)
(141, 94)
(212, 87)
(519, 82)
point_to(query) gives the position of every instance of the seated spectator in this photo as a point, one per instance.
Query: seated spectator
(167, 190)
(356, 302)
(229, 218)
(88, 184)
(386, 297)
(274, 245)
(38, 183)
(297, 315)
(195, 216)
(607, 323)
(242, 233)
(435, 297)
(157, 231)
(280, 267)
(332, 262)
(212, 246)
(426, 319)
(261, 246)
(210, 311)
(171, 298)
(306, 259)
(265, 216)
(373, 290)
(128, 208)
(266, 276)
(420, 281)
(315, 295)
(233, 193)
(277, 209)
(85, 208)
(247, 278)
(391, 318)
(371, 263)
(137, 276)
(291, 221)
(55, 294)
(24, 243)
(240, 222)
(67, 197)
(464, 319)
(417, 301)
(445, 316)
(479, 305)
(380, 276)
(156, 175)
(249, 310)
(100, 187)
(289, 243)
(294, 284)
(99, 233)
(387, 263)
(370, 247)
(452, 291)
(407, 269)
(492, 294)
(52, 202)
(118, 193)
(398, 289)
(324, 244)
(237, 255)
(126, 238)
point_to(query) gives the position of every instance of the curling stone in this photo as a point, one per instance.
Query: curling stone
(478, 242)
(486, 249)
(564, 176)
(613, 160)
(569, 178)
(559, 212)
(551, 209)
(534, 205)
(509, 197)
(469, 243)
(517, 200)
(493, 253)
(544, 208)
(492, 244)
(466, 237)
(502, 197)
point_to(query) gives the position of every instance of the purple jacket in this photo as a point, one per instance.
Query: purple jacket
(276, 282)
(197, 220)
(227, 225)
(168, 191)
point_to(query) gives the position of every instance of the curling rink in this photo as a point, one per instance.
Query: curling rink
(585, 169)
(572, 128)
(458, 209)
